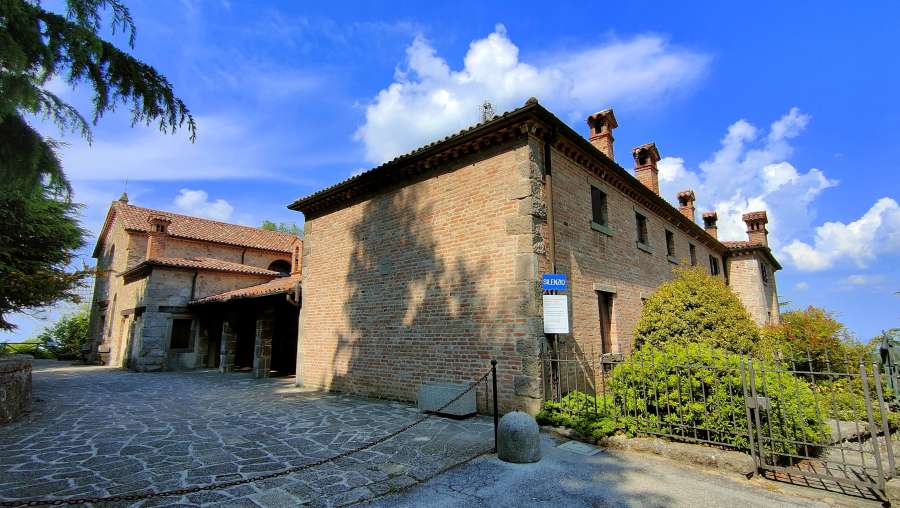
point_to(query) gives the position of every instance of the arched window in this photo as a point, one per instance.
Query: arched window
(280, 266)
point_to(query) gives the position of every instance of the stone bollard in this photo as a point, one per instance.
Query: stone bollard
(518, 438)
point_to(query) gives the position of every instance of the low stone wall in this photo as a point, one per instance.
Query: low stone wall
(15, 387)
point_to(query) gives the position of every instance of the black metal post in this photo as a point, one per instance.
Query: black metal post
(496, 413)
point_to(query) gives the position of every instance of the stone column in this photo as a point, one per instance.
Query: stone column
(262, 352)
(229, 344)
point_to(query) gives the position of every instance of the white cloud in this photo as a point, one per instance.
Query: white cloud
(751, 171)
(863, 280)
(197, 203)
(428, 99)
(876, 232)
(801, 286)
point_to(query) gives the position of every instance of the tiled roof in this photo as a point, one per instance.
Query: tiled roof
(531, 103)
(754, 216)
(274, 287)
(135, 218)
(740, 244)
(201, 263)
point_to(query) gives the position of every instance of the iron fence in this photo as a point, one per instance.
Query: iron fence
(797, 413)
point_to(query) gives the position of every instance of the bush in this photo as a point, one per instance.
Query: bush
(695, 308)
(586, 414)
(658, 393)
(64, 338)
(815, 334)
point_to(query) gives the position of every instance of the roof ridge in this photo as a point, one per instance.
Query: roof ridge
(192, 217)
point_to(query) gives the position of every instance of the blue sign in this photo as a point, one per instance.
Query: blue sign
(554, 282)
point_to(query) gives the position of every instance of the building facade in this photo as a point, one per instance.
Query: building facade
(423, 269)
(167, 290)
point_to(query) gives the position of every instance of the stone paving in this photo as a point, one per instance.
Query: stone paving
(97, 431)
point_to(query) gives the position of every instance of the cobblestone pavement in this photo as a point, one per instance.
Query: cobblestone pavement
(97, 431)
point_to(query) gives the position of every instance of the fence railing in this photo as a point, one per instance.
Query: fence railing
(795, 412)
(23, 348)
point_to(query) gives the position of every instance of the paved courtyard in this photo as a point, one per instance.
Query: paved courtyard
(97, 431)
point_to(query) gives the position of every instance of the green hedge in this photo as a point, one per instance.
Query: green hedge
(658, 393)
(588, 415)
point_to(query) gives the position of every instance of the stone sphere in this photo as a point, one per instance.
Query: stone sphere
(518, 438)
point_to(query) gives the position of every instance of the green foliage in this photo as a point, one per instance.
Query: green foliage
(676, 389)
(844, 400)
(283, 227)
(586, 414)
(64, 338)
(814, 338)
(695, 308)
(39, 225)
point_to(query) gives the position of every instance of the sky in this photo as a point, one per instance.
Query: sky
(783, 106)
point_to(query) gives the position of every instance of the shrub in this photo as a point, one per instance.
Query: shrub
(658, 393)
(812, 333)
(695, 307)
(587, 414)
(64, 338)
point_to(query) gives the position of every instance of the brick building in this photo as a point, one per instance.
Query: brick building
(424, 268)
(178, 292)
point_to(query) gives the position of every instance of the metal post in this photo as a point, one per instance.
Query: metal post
(496, 413)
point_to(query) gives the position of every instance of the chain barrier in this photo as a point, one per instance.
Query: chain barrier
(242, 481)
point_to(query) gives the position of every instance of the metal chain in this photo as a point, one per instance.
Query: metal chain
(232, 483)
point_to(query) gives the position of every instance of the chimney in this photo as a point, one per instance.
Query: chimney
(602, 125)
(156, 239)
(686, 200)
(709, 223)
(756, 227)
(645, 159)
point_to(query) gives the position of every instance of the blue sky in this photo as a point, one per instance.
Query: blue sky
(787, 107)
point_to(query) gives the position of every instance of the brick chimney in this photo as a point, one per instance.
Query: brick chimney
(602, 125)
(645, 159)
(297, 257)
(686, 200)
(709, 223)
(756, 227)
(156, 239)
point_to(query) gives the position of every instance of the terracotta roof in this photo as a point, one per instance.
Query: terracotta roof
(274, 287)
(201, 263)
(477, 137)
(135, 218)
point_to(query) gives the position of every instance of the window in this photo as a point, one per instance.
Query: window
(670, 244)
(693, 250)
(764, 273)
(713, 265)
(280, 266)
(641, 223)
(181, 334)
(598, 206)
(604, 302)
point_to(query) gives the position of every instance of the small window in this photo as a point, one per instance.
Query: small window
(641, 224)
(764, 273)
(670, 244)
(598, 207)
(693, 250)
(713, 265)
(181, 334)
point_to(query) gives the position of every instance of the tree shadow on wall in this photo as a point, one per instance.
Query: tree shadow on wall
(414, 310)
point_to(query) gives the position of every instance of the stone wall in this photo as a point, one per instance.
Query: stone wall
(15, 387)
(427, 282)
(167, 294)
(610, 260)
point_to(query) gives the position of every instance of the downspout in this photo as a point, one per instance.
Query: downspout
(194, 285)
(243, 252)
(551, 227)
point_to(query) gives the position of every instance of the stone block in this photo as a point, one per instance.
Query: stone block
(518, 438)
(15, 387)
(527, 386)
(432, 397)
